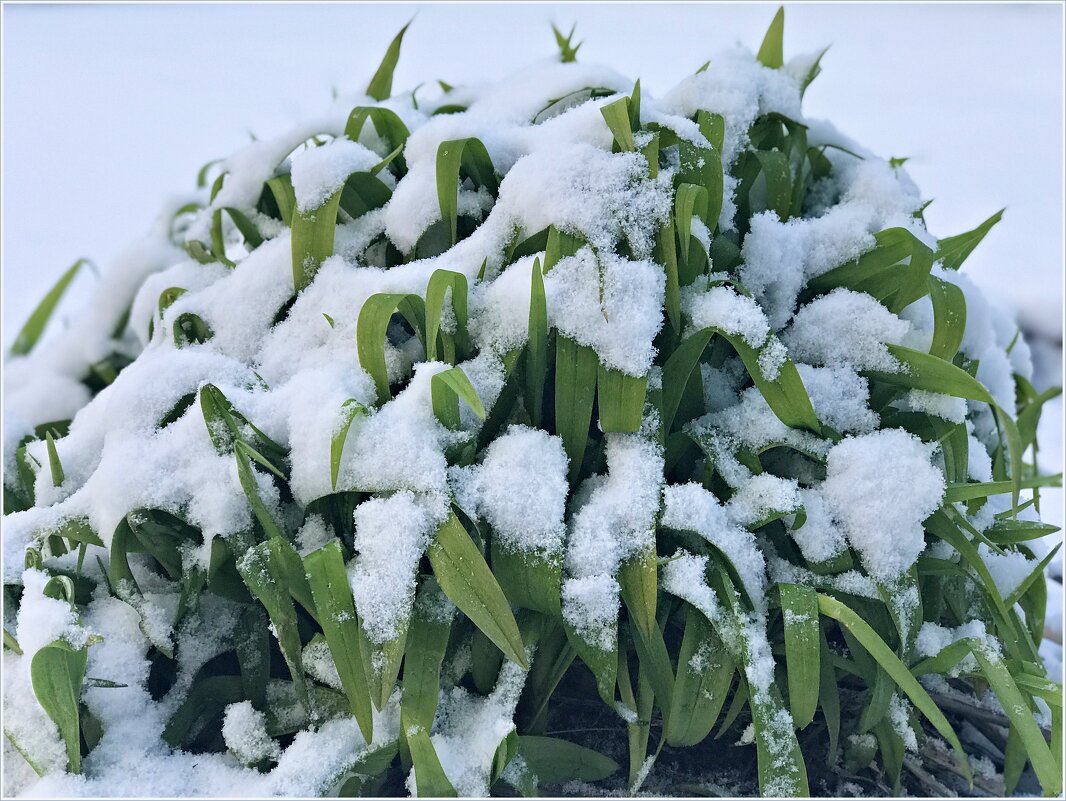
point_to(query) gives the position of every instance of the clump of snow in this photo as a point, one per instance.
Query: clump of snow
(722, 307)
(245, 733)
(391, 534)
(521, 489)
(318, 172)
(845, 328)
(880, 487)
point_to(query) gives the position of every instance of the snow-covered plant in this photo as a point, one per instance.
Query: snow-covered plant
(433, 418)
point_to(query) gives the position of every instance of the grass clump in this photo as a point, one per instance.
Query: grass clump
(527, 433)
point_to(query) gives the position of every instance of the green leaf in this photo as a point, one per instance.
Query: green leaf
(775, 168)
(446, 389)
(1020, 713)
(436, 293)
(924, 371)
(56, 672)
(245, 455)
(617, 117)
(799, 608)
(458, 159)
(536, 361)
(690, 200)
(390, 128)
(312, 239)
(33, 328)
(954, 250)
(467, 581)
(350, 409)
(54, 465)
(380, 86)
(621, 400)
(949, 318)
(530, 580)
(555, 760)
(576, 370)
(1036, 573)
(284, 196)
(786, 394)
(567, 51)
(704, 673)
(265, 571)
(560, 246)
(638, 580)
(332, 595)
(427, 642)
(889, 662)
(829, 696)
(772, 51)
(430, 779)
(374, 317)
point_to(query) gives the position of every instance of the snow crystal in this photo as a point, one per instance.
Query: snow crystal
(880, 487)
(933, 403)
(819, 538)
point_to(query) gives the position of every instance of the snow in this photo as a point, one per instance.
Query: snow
(612, 521)
(521, 490)
(721, 307)
(318, 172)
(690, 507)
(845, 329)
(244, 730)
(390, 536)
(880, 487)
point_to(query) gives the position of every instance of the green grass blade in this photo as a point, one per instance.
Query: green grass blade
(700, 688)
(954, 250)
(555, 760)
(332, 595)
(436, 293)
(446, 390)
(775, 169)
(312, 239)
(536, 361)
(430, 779)
(772, 51)
(617, 117)
(380, 86)
(374, 317)
(576, 370)
(621, 400)
(458, 159)
(264, 571)
(350, 409)
(949, 318)
(33, 328)
(466, 579)
(799, 607)
(890, 663)
(1021, 718)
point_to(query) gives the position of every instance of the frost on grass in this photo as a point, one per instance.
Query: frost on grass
(210, 400)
